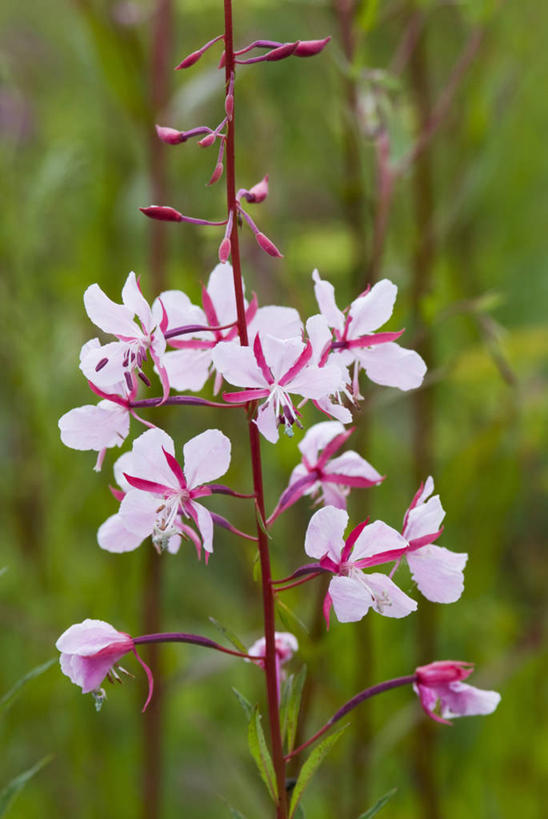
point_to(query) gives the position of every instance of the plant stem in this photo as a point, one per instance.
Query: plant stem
(254, 442)
(366, 694)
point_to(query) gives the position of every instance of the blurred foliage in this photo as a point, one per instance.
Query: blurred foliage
(75, 120)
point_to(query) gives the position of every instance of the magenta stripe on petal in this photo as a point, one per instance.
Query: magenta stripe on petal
(418, 542)
(352, 538)
(149, 486)
(245, 395)
(209, 308)
(374, 339)
(301, 362)
(175, 467)
(333, 446)
(348, 480)
(261, 360)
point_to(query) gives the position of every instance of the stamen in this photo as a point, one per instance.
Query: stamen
(102, 363)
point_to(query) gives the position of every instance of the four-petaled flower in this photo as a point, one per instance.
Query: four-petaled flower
(437, 571)
(384, 361)
(272, 369)
(90, 651)
(108, 364)
(444, 696)
(352, 592)
(159, 492)
(322, 476)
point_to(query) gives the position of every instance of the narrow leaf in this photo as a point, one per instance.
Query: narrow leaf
(9, 793)
(286, 692)
(261, 754)
(378, 805)
(7, 699)
(244, 702)
(311, 766)
(289, 618)
(293, 708)
(233, 638)
(261, 521)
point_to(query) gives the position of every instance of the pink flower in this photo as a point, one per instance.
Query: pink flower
(108, 364)
(384, 361)
(444, 696)
(286, 646)
(160, 493)
(90, 651)
(323, 477)
(191, 363)
(437, 571)
(351, 591)
(272, 369)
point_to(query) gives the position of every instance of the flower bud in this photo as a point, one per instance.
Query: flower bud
(190, 60)
(217, 173)
(208, 140)
(162, 212)
(268, 246)
(280, 53)
(258, 192)
(224, 250)
(443, 671)
(308, 48)
(169, 135)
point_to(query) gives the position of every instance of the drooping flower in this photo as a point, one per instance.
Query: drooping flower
(272, 369)
(437, 571)
(108, 364)
(384, 361)
(286, 645)
(190, 364)
(323, 477)
(160, 493)
(444, 696)
(352, 592)
(90, 652)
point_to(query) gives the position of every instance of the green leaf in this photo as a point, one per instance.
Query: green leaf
(244, 702)
(7, 699)
(8, 794)
(367, 16)
(287, 690)
(310, 767)
(293, 708)
(261, 754)
(233, 638)
(289, 618)
(261, 521)
(378, 805)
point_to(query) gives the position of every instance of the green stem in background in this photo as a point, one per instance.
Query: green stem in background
(423, 408)
(153, 719)
(254, 442)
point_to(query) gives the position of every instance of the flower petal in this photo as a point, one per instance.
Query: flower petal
(206, 457)
(91, 636)
(375, 539)
(351, 599)
(424, 519)
(317, 437)
(267, 422)
(325, 296)
(237, 365)
(282, 322)
(392, 366)
(438, 572)
(187, 369)
(324, 534)
(372, 310)
(281, 353)
(114, 536)
(389, 599)
(107, 315)
(136, 302)
(462, 700)
(95, 427)
(220, 288)
(352, 464)
(205, 525)
(148, 460)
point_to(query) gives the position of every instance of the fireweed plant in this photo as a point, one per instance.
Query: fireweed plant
(265, 364)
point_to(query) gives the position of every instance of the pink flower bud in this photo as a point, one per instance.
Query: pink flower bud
(308, 48)
(222, 61)
(162, 212)
(280, 53)
(169, 135)
(208, 140)
(217, 173)
(268, 246)
(190, 60)
(258, 192)
(443, 671)
(229, 105)
(224, 250)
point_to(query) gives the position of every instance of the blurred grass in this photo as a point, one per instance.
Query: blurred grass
(74, 123)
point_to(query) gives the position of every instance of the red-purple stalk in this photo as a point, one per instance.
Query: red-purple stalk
(254, 442)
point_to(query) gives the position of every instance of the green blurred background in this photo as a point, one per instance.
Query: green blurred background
(466, 244)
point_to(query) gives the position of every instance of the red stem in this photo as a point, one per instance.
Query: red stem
(254, 442)
(298, 582)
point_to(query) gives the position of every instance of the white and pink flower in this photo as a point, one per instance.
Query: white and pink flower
(272, 369)
(384, 361)
(158, 494)
(90, 651)
(322, 476)
(352, 592)
(108, 364)
(444, 696)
